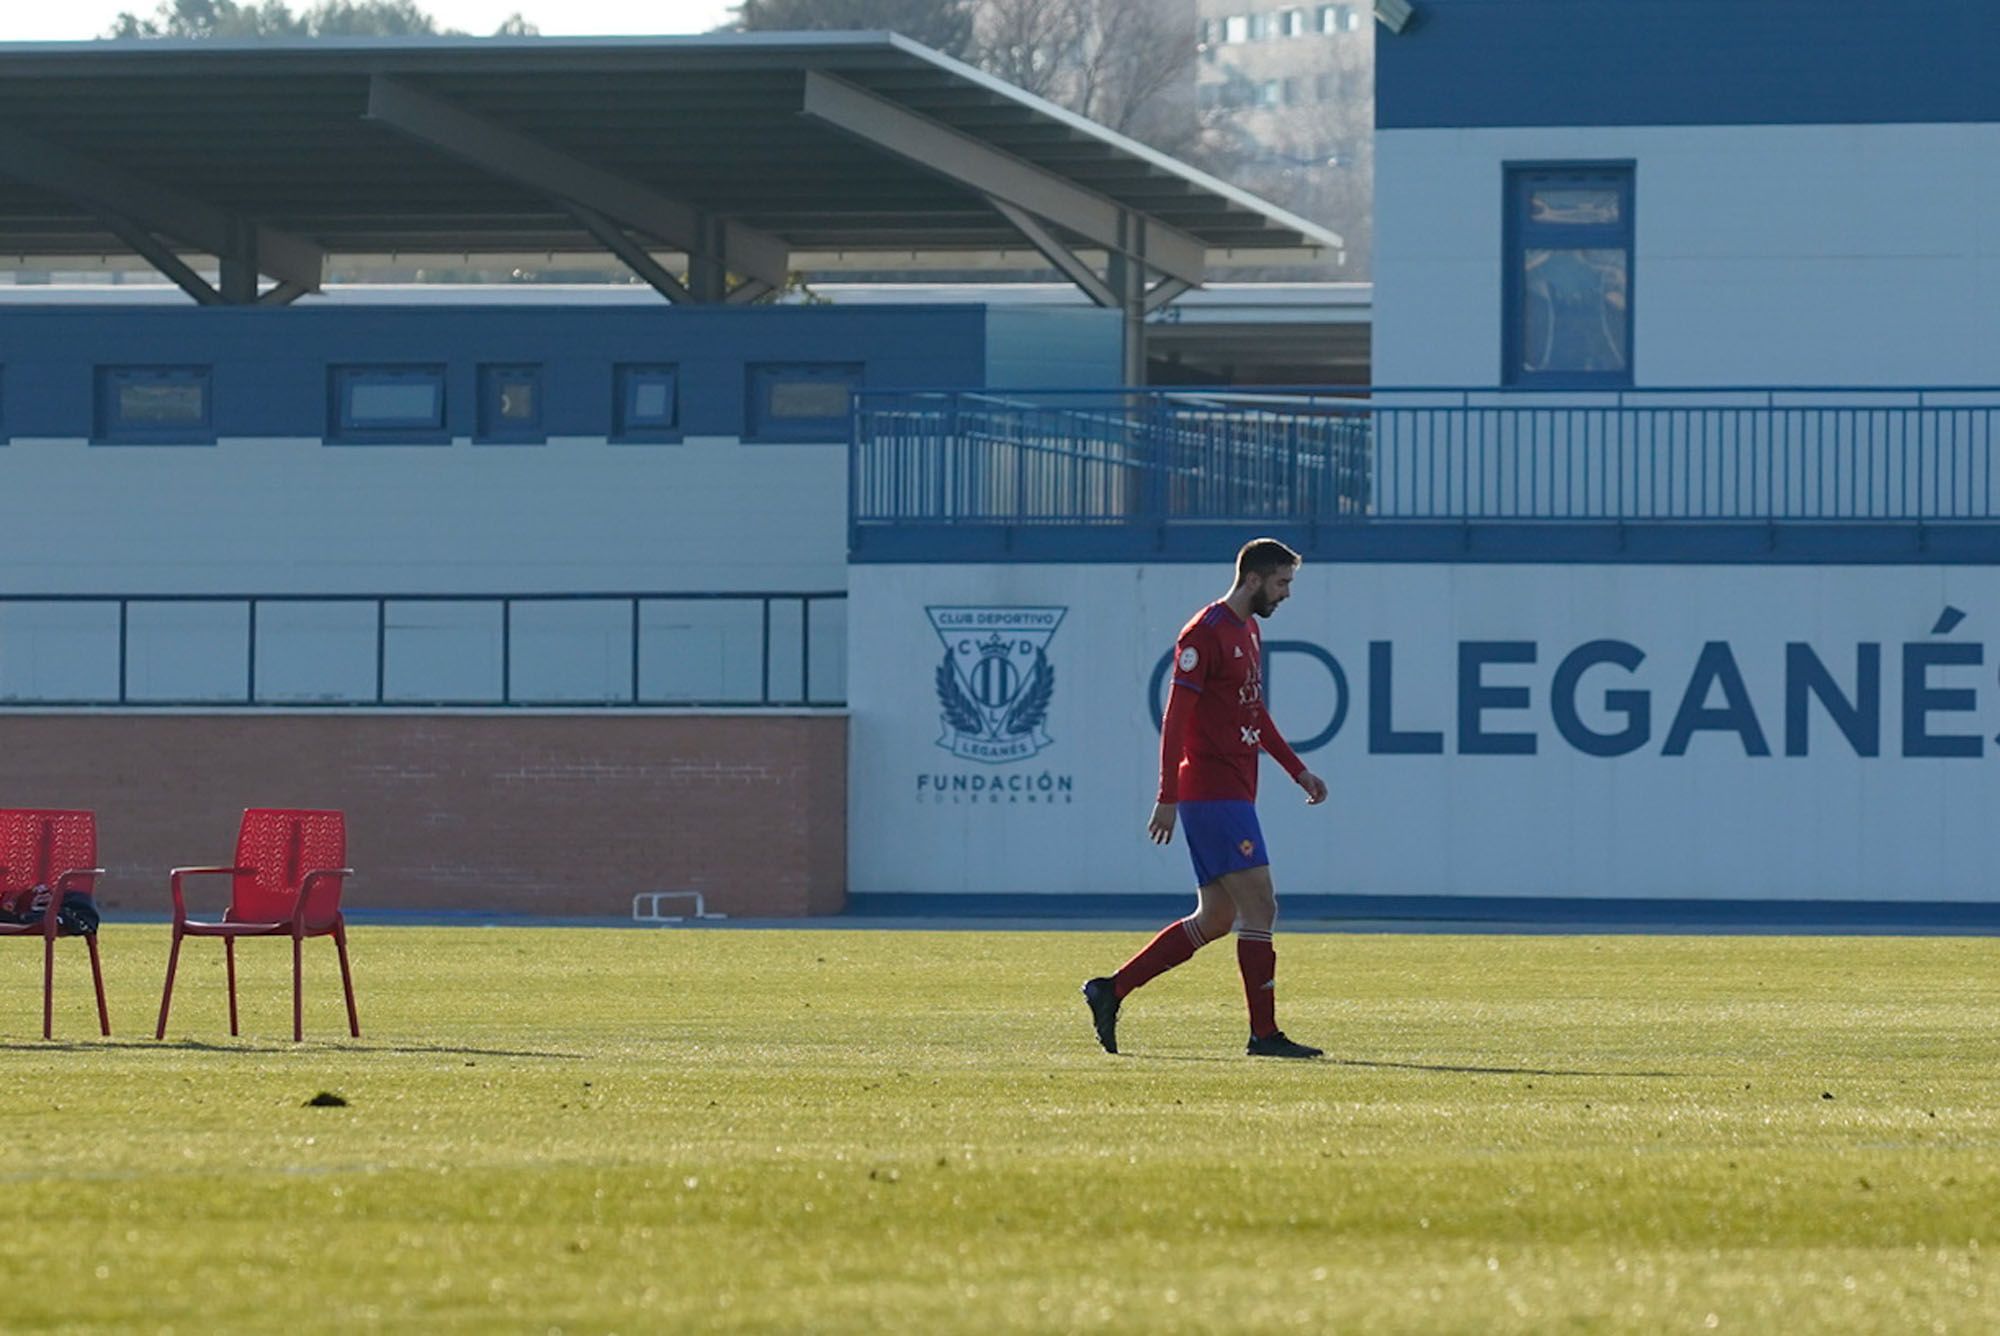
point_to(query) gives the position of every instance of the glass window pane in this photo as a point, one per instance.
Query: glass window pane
(648, 401)
(1573, 312)
(809, 398)
(159, 403)
(1565, 205)
(652, 401)
(517, 400)
(376, 402)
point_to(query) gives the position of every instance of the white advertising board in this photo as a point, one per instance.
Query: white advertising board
(1770, 732)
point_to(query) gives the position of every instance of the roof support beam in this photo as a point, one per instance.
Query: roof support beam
(515, 157)
(1163, 292)
(160, 255)
(280, 294)
(159, 211)
(980, 167)
(1057, 254)
(635, 257)
(1125, 267)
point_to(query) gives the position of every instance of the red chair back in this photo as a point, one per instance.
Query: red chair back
(281, 845)
(38, 845)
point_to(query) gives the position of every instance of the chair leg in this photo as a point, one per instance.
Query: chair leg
(229, 964)
(298, 993)
(167, 993)
(97, 977)
(48, 988)
(347, 981)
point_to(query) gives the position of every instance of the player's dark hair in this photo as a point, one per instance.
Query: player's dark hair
(1261, 556)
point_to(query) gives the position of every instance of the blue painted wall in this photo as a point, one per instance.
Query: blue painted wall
(1689, 62)
(270, 366)
(1056, 350)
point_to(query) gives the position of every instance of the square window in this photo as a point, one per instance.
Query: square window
(163, 405)
(510, 404)
(1568, 292)
(389, 404)
(802, 401)
(1236, 28)
(649, 403)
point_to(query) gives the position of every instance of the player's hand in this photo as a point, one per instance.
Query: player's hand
(1314, 786)
(1161, 827)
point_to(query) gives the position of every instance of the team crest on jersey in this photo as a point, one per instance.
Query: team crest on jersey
(996, 680)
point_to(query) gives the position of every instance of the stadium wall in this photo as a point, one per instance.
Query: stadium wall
(272, 499)
(1815, 185)
(548, 815)
(1596, 730)
(1763, 255)
(270, 492)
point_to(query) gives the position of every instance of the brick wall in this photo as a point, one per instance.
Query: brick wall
(549, 814)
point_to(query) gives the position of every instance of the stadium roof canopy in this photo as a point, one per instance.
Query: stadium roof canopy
(711, 165)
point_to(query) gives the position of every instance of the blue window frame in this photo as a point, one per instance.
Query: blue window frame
(648, 406)
(154, 405)
(390, 404)
(801, 401)
(510, 404)
(1567, 294)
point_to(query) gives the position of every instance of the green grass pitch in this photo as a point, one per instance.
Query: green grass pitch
(838, 1131)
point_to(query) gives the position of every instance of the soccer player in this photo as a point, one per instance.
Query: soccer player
(1215, 725)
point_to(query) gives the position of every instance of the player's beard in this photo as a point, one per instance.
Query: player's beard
(1262, 604)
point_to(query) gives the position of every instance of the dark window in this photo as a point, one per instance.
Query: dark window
(510, 404)
(649, 403)
(388, 403)
(802, 401)
(154, 404)
(1568, 299)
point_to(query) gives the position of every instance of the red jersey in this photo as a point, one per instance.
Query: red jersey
(1220, 659)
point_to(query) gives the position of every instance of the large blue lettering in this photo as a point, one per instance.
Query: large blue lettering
(1921, 699)
(1636, 706)
(1859, 719)
(1475, 697)
(1383, 739)
(1716, 666)
(1273, 648)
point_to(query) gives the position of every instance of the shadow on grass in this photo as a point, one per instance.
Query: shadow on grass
(1405, 1066)
(309, 1046)
(1491, 1071)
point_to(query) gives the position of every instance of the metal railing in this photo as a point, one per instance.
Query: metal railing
(1082, 457)
(1333, 456)
(91, 645)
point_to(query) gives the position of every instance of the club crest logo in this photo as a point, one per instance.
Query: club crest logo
(995, 682)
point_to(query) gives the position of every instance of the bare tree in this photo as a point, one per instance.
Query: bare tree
(1126, 64)
(942, 25)
(247, 20)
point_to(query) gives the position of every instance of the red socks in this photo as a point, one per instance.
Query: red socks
(1173, 946)
(1179, 940)
(1258, 961)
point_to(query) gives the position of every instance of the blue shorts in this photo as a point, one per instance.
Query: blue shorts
(1222, 836)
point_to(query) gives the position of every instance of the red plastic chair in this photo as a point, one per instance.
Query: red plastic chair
(285, 883)
(56, 850)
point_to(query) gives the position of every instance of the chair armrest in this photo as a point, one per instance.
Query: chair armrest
(305, 887)
(76, 874)
(174, 882)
